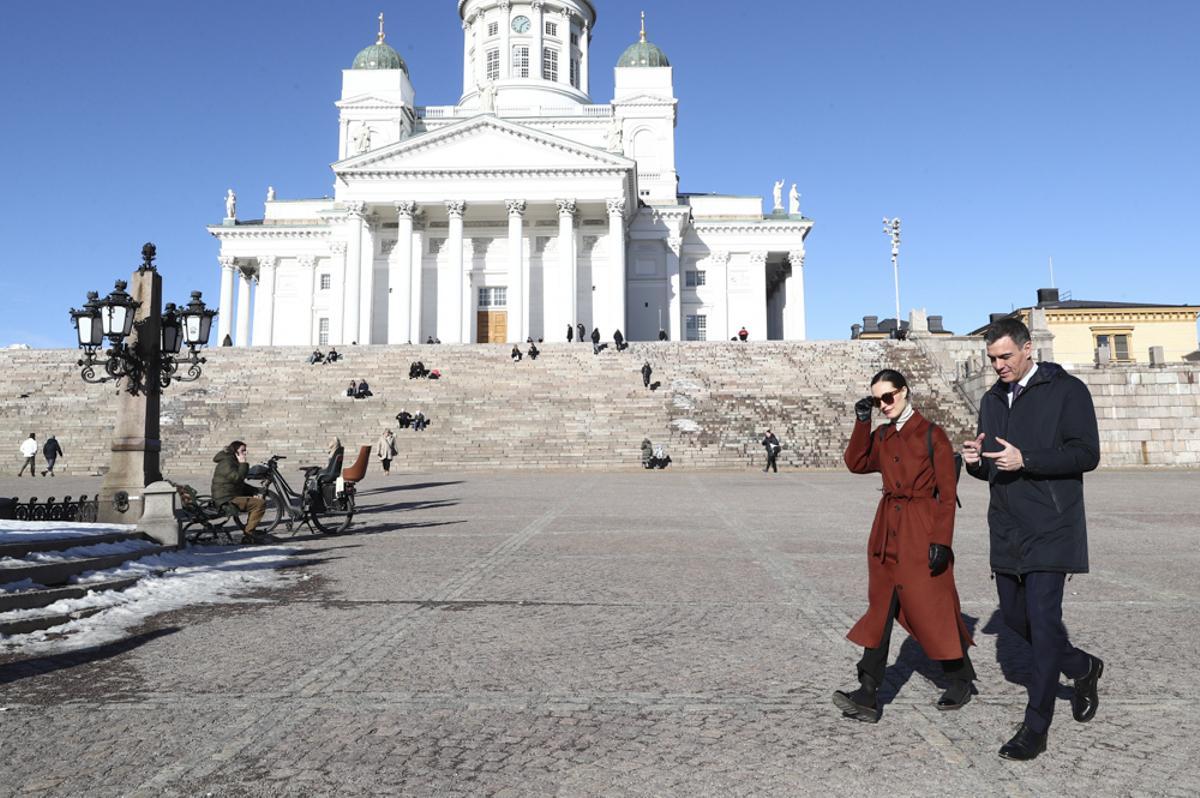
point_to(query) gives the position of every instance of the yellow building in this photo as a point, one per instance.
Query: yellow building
(1128, 329)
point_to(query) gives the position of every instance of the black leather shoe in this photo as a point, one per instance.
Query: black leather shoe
(1085, 700)
(1026, 744)
(956, 695)
(859, 705)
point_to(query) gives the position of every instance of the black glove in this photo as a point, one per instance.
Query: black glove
(862, 408)
(940, 558)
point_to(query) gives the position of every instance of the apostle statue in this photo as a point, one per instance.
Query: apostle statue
(793, 201)
(230, 204)
(487, 98)
(615, 136)
(270, 193)
(777, 194)
(363, 139)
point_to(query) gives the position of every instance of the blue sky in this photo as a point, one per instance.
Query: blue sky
(1001, 133)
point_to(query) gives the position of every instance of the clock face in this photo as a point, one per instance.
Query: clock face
(521, 24)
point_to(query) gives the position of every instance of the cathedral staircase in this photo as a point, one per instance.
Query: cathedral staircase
(568, 409)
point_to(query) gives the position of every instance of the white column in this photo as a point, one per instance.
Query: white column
(337, 305)
(416, 282)
(366, 288)
(539, 39)
(468, 46)
(518, 314)
(793, 309)
(308, 287)
(243, 311)
(450, 279)
(615, 300)
(505, 41)
(354, 236)
(264, 301)
(400, 265)
(675, 288)
(564, 55)
(225, 306)
(585, 34)
(718, 284)
(566, 259)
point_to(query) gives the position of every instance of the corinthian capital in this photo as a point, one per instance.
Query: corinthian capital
(566, 207)
(758, 258)
(515, 207)
(227, 262)
(719, 257)
(337, 247)
(676, 244)
(616, 207)
(796, 257)
(456, 208)
(267, 262)
(357, 209)
(405, 209)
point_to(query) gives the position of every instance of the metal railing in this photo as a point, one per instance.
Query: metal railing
(81, 510)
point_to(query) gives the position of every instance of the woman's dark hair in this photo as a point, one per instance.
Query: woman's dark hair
(233, 447)
(892, 376)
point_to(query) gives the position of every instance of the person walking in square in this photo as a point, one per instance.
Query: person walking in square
(51, 451)
(29, 448)
(1037, 437)
(646, 372)
(771, 444)
(385, 448)
(909, 557)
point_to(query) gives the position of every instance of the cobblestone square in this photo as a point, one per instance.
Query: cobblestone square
(626, 633)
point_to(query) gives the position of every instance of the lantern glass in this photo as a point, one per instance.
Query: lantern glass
(171, 338)
(89, 328)
(115, 316)
(191, 328)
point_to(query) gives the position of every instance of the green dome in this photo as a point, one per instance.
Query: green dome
(378, 56)
(643, 54)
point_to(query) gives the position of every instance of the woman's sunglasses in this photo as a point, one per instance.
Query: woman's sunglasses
(885, 398)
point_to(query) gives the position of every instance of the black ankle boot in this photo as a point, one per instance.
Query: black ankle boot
(956, 695)
(860, 704)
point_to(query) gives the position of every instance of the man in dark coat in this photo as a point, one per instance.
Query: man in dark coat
(646, 372)
(1037, 438)
(619, 340)
(771, 444)
(570, 333)
(582, 332)
(51, 451)
(229, 487)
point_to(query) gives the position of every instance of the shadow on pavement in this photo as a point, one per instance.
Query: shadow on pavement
(913, 660)
(42, 665)
(413, 486)
(416, 505)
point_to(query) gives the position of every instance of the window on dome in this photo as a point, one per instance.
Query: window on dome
(493, 28)
(575, 39)
(520, 61)
(493, 65)
(697, 328)
(326, 282)
(550, 64)
(574, 73)
(551, 29)
(695, 279)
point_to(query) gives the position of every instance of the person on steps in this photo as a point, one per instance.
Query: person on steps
(385, 447)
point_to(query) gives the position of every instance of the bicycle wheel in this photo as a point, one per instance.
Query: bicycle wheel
(335, 516)
(273, 515)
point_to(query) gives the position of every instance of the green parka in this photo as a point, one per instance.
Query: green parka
(228, 478)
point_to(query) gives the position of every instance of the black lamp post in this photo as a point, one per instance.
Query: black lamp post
(115, 318)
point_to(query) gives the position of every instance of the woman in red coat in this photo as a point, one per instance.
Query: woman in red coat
(909, 559)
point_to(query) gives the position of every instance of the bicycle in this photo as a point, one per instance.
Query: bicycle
(320, 503)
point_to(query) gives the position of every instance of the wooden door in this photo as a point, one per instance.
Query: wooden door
(491, 326)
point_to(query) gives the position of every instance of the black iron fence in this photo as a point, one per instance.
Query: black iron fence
(81, 510)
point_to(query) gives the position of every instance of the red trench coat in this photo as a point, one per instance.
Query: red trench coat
(908, 519)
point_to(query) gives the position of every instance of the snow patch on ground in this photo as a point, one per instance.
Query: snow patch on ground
(76, 553)
(26, 531)
(685, 425)
(207, 575)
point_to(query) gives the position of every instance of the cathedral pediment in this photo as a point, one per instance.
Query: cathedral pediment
(483, 143)
(368, 101)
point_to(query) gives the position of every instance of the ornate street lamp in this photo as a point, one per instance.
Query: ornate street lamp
(891, 228)
(114, 318)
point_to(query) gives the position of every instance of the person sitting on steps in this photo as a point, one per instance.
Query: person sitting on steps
(404, 419)
(316, 357)
(363, 391)
(516, 354)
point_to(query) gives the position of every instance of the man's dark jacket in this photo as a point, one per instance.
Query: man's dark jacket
(51, 449)
(1036, 515)
(227, 478)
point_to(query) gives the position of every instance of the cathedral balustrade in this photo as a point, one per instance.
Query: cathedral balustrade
(457, 112)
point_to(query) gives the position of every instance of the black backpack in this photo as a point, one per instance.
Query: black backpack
(957, 463)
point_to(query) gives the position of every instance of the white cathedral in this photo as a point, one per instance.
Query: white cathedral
(520, 210)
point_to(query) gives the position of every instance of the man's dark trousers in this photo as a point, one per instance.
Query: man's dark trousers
(1031, 605)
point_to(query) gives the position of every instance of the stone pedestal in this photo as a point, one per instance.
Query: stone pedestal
(158, 517)
(1040, 335)
(136, 445)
